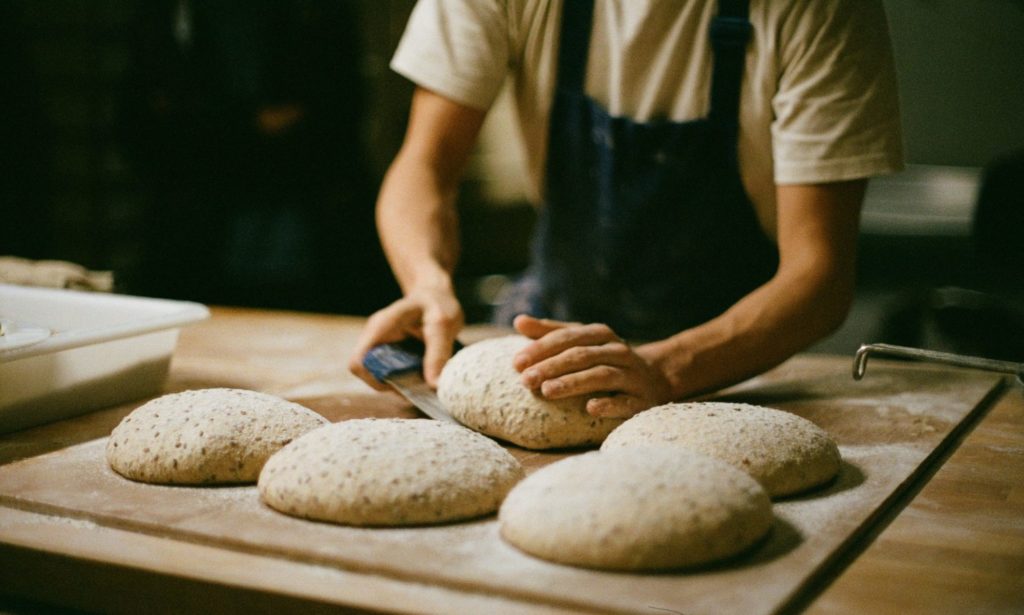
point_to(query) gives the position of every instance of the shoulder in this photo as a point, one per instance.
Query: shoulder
(455, 12)
(835, 80)
(458, 48)
(800, 26)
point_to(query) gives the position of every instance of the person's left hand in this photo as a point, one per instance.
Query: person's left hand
(568, 359)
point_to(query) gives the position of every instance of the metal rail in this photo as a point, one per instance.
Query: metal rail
(860, 361)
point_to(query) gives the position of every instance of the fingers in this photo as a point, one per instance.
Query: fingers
(597, 379)
(534, 328)
(577, 359)
(616, 406)
(561, 338)
(382, 327)
(439, 337)
(435, 321)
(570, 360)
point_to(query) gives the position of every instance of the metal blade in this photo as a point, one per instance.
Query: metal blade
(413, 388)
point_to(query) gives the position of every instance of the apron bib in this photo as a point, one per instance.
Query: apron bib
(646, 226)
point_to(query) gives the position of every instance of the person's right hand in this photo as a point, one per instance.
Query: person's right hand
(432, 315)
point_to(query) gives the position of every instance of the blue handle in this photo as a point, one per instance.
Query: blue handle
(386, 361)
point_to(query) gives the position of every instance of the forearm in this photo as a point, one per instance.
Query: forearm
(417, 223)
(807, 299)
(416, 215)
(763, 329)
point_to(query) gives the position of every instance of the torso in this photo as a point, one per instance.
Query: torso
(808, 113)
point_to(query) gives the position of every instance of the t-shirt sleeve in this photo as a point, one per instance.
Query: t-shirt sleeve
(836, 111)
(456, 48)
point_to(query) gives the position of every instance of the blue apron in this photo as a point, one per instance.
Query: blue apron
(646, 226)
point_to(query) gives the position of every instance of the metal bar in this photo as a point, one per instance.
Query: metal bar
(860, 361)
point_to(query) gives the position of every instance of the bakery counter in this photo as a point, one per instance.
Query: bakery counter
(926, 516)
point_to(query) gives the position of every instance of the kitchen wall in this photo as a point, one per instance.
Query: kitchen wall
(961, 72)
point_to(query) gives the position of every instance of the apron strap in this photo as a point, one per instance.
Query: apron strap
(574, 43)
(730, 32)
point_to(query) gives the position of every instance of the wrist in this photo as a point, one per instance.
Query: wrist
(671, 359)
(428, 279)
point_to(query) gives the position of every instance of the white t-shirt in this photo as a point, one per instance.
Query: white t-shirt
(818, 103)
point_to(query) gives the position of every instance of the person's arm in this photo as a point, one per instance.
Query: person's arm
(807, 299)
(418, 227)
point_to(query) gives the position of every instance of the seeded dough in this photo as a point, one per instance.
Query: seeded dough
(389, 472)
(480, 387)
(205, 436)
(639, 508)
(784, 452)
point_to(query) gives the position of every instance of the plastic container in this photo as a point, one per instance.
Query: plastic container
(65, 352)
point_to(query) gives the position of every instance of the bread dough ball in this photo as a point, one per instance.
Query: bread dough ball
(784, 452)
(638, 508)
(480, 387)
(205, 436)
(389, 472)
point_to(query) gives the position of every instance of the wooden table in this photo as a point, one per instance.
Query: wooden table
(952, 543)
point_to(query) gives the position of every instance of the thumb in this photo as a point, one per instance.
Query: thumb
(535, 328)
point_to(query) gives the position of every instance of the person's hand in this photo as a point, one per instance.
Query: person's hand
(568, 359)
(432, 315)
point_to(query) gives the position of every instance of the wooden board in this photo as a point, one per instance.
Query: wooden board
(958, 547)
(889, 427)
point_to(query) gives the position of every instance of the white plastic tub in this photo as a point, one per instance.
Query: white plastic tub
(67, 352)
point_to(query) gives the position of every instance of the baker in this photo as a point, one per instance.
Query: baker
(699, 168)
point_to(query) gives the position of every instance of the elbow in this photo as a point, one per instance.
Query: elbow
(835, 301)
(822, 298)
(836, 317)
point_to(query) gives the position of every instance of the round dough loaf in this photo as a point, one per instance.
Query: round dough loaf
(205, 436)
(480, 387)
(784, 452)
(641, 508)
(389, 472)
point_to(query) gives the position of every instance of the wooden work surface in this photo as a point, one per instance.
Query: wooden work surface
(958, 546)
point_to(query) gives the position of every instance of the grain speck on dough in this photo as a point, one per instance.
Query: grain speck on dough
(389, 472)
(225, 450)
(482, 389)
(642, 508)
(786, 453)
